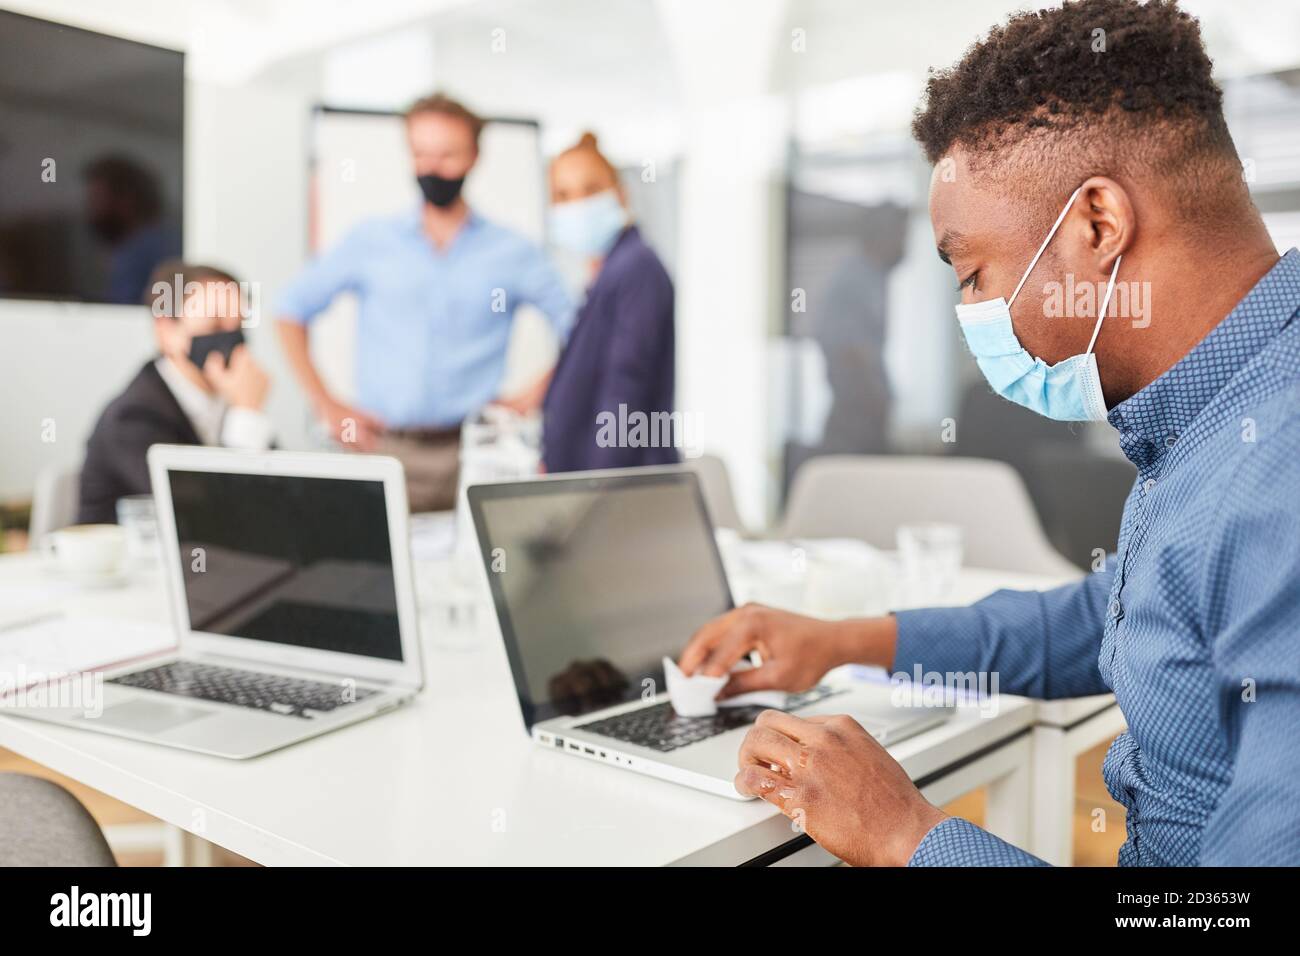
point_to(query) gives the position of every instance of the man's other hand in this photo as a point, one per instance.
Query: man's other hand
(838, 784)
(529, 399)
(243, 383)
(349, 426)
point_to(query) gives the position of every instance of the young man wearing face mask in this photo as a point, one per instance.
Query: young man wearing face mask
(437, 289)
(205, 388)
(1052, 160)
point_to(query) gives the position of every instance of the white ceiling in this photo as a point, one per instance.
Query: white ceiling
(845, 37)
(594, 53)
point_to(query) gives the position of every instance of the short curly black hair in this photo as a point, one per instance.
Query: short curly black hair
(1091, 87)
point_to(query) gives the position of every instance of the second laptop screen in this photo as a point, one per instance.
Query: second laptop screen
(600, 582)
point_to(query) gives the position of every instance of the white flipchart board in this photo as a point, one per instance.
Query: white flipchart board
(362, 168)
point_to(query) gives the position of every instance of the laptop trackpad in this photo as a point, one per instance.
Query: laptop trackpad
(148, 716)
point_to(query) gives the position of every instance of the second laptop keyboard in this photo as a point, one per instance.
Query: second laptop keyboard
(289, 696)
(660, 728)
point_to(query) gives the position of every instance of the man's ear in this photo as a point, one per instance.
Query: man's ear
(1112, 223)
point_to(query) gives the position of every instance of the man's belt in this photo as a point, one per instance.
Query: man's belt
(430, 435)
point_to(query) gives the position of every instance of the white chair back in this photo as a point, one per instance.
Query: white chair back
(869, 496)
(715, 483)
(54, 500)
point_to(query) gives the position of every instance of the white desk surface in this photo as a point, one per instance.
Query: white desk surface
(449, 779)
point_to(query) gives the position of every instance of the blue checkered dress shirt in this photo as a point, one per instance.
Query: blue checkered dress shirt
(1195, 621)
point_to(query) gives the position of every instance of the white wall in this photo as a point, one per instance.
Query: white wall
(729, 221)
(56, 362)
(246, 191)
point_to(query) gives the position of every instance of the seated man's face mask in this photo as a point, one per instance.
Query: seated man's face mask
(1068, 391)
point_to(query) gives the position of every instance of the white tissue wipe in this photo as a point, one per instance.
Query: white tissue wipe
(696, 696)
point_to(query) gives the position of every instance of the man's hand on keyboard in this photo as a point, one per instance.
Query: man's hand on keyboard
(796, 651)
(843, 789)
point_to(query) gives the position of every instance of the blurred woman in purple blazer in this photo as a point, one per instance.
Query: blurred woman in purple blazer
(612, 391)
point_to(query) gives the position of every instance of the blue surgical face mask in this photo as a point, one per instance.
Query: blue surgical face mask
(1068, 391)
(588, 226)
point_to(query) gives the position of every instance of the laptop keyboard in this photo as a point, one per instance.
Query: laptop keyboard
(660, 728)
(289, 696)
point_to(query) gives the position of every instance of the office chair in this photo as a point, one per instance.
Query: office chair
(42, 824)
(715, 484)
(54, 500)
(869, 496)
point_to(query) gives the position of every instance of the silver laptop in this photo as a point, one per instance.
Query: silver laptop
(596, 578)
(289, 580)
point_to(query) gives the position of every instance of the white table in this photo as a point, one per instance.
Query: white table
(453, 779)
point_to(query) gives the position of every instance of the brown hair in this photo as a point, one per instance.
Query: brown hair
(177, 274)
(587, 143)
(445, 106)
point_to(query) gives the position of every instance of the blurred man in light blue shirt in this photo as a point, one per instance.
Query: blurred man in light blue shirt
(437, 291)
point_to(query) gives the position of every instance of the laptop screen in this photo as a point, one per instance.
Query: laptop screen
(289, 560)
(595, 581)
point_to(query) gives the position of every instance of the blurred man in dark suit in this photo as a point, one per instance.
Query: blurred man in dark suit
(197, 315)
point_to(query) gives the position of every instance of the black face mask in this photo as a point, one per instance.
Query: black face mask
(201, 346)
(439, 191)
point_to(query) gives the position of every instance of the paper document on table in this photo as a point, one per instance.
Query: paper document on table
(58, 645)
(696, 696)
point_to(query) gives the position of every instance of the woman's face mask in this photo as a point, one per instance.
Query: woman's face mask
(588, 226)
(1070, 390)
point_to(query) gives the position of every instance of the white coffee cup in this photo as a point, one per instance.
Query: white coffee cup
(90, 550)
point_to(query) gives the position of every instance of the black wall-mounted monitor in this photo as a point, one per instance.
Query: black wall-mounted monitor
(91, 159)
